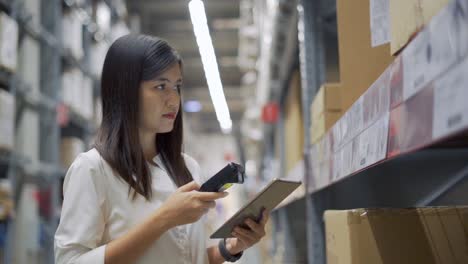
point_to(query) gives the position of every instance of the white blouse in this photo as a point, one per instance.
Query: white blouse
(97, 209)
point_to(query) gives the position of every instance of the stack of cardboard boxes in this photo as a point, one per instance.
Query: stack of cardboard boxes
(325, 110)
(362, 58)
(432, 235)
(360, 65)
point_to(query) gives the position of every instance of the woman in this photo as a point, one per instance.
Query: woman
(133, 198)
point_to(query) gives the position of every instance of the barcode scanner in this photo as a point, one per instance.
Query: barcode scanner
(224, 179)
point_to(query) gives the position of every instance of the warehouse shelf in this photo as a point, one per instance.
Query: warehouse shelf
(40, 34)
(418, 102)
(87, 20)
(8, 157)
(295, 174)
(402, 144)
(35, 169)
(40, 102)
(5, 77)
(23, 90)
(115, 12)
(36, 101)
(47, 173)
(79, 121)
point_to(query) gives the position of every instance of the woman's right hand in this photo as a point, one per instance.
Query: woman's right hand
(186, 205)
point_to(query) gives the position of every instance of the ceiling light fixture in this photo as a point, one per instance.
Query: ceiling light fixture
(192, 106)
(210, 66)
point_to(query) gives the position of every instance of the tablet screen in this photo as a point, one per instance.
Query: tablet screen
(268, 198)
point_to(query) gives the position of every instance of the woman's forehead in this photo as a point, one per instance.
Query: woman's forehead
(172, 74)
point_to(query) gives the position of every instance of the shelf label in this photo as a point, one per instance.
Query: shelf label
(435, 49)
(376, 99)
(416, 64)
(449, 35)
(450, 102)
(371, 146)
(380, 22)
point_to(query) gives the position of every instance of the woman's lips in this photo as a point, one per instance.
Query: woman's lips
(170, 116)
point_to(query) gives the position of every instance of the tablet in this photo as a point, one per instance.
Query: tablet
(275, 192)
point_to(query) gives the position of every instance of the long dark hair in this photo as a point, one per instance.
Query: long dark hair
(130, 60)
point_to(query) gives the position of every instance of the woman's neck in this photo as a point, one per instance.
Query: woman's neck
(148, 145)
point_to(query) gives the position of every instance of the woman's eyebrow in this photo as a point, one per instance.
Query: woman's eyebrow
(163, 79)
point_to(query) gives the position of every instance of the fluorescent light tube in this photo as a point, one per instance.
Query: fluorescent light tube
(210, 66)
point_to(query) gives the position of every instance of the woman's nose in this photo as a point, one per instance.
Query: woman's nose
(173, 99)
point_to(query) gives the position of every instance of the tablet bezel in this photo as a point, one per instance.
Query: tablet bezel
(244, 211)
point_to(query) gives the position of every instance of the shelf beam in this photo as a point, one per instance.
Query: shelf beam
(51, 70)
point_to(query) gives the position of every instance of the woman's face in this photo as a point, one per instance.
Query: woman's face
(160, 101)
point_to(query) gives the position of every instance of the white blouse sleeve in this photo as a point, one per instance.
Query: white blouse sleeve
(82, 220)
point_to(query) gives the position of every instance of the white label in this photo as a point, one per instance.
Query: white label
(450, 102)
(351, 124)
(371, 146)
(435, 49)
(416, 65)
(337, 162)
(313, 161)
(380, 22)
(443, 40)
(348, 167)
(382, 140)
(376, 100)
(335, 134)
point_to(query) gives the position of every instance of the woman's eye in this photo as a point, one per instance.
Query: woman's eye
(160, 87)
(178, 87)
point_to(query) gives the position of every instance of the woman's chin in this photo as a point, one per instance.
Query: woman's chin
(164, 130)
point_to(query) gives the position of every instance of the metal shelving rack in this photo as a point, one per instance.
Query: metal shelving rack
(434, 172)
(46, 173)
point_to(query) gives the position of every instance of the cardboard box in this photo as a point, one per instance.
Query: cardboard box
(325, 110)
(294, 124)
(407, 17)
(432, 235)
(8, 42)
(7, 120)
(70, 148)
(327, 100)
(322, 124)
(360, 63)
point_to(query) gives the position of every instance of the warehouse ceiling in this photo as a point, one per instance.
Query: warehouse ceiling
(170, 20)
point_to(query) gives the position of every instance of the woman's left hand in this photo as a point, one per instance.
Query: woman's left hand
(245, 238)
